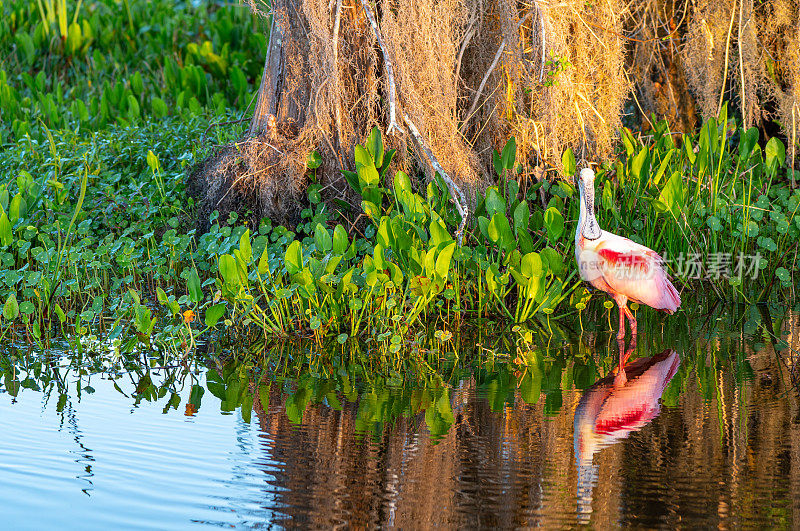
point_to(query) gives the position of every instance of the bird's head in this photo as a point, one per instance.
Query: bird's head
(586, 179)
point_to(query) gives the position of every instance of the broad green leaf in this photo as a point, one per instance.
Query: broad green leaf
(322, 238)
(568, 162)
(214, 313)
(293, 258)
(775, 153)
(554, 222)
(674, 194)
(522, 215)
(194, 287)
(553, 260)
(228, 270)
(500, 232)
(244, 247)
(531, 266)
(314, 160)
(444, 258)
(494, 202)
(340, 240)
(17, 208)
(374, 146)
(747, 142)
(11, 308)
(509, 153)
(640, 165)
(6, 235)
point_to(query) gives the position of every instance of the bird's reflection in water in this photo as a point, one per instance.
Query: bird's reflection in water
(615, 407)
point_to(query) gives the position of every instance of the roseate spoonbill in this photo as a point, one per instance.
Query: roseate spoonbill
(622, 268)
(612, 409)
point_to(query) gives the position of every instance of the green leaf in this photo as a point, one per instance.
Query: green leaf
(263, 262)
(160, 109)
(775, 153)
(714, 223)
(74, 39)
(365, 167)
(194, 287)
(11, 308)
(6, 235)
(554, 261)
(444, 258)
(509, 153)
(500, 232)
(314, 160)
(640, 166)
(521, 216)
(554, 223)
(229, 271)
(352, 179)
(497, 161)
(294, 258)
(62, 317)
(18, 208)
(214, 313)
(340, 240)
(371, 210)
(161, 295)
(494, 202)
(747, 142)
(531, 266)
(196, 396)
(244, 247)
(674, 194)
(322, 238)
(783, 275)
(152, 160)
(374, 146)
(663, 166)
(568, 162)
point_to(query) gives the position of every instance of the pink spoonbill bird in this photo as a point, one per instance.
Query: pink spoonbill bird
(622, 268)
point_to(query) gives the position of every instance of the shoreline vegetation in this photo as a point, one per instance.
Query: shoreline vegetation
(98, 232)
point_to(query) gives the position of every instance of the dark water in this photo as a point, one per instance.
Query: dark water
(704, 433)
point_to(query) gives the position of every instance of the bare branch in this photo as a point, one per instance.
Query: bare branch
(394, 127)
(455, 192)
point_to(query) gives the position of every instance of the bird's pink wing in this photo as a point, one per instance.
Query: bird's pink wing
(636, 271)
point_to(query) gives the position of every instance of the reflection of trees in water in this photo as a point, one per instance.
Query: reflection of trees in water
(714, 455)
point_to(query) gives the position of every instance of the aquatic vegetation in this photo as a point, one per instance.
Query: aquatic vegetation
(97, 229)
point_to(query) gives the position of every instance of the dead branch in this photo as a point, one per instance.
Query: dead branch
(455, 192)
(394, 127)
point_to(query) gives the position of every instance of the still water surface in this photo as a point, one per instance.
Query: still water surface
(704, 433)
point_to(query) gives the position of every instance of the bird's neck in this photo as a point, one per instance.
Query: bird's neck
(587, 223)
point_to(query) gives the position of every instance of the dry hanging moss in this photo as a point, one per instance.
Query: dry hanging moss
(467, 73)
(471, 73)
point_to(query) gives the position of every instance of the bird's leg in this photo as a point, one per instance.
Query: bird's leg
(622, 304)
(620, 379)
(632, 320)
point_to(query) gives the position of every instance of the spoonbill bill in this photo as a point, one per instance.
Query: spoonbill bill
(622, 268)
